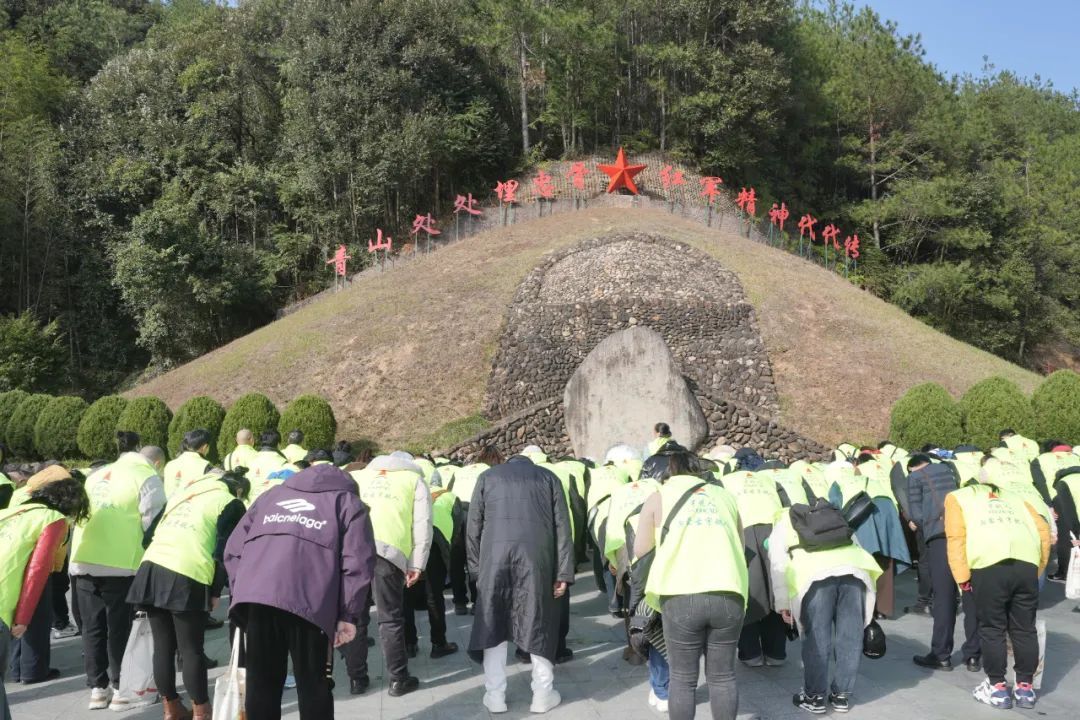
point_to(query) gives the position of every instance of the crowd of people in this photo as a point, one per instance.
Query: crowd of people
(723, 556)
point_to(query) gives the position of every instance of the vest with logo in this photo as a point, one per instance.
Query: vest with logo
(464, 481)
(446, 473)
(606, 479)
(114, 533)
(812, 476)
(632, 468)
(806, 567)
(579, 470)
(264, 464)
(294, 453)
(625, 501)
(1026, 448)
(442, 512)
(188, 467)
(20, 528)
(968, 466)
(389, 496)
(19, 495)
(565, 478)
(1053, 462)
(241, 456)
(428, 467)
(703, 551)
(791, 484)
(998, 526)
(1027, 492)
(755, 496)
(874, 476)
(186, 535)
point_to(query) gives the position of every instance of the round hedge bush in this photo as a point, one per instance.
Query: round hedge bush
(8, 402)
(149, 417)
(97, 430)
(990, 406)
(20, 430)
(56, 431)
(198, 412)
(315, 417)
(253, 411)
(1056, 404)
(926, 414)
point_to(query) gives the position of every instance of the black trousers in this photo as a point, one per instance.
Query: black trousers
(1006, 599)
(768, 636)
(75, 615)
(564, 618)
(30, 654)
(922, 571)
(1068, 522)
(272, 637)
(464, 588)
(944, 608)
(106, 618)
(179, 632)
(388, 590)
(428, 592)
(60, 583)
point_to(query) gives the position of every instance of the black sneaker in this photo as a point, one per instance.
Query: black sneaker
(931, 662)
(404, 687)
(359, 686)
(412, 649)
(441, 651)
(563, 656)
(841, 702)
(810, 703)
(973, 664)
(522, 656)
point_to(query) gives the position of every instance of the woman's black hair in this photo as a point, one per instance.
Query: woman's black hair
(318, 455)
(66, 497)
(195, 439)
(678, 464)
(270, 438)
(238, 483)
(343, 446)
(863, 457)
(662, 429)
(296, 437)
(127, 441)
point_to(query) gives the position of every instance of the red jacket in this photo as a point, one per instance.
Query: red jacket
(38, 569)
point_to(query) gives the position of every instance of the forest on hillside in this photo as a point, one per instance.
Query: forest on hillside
(171, 173)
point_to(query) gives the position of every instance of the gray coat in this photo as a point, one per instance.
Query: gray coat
(519, 545)
(926, 491)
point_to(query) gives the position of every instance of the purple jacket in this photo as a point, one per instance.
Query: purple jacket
(306, 547)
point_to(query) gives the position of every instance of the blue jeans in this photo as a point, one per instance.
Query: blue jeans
(832, 618)
(5, 644)
(659, 676)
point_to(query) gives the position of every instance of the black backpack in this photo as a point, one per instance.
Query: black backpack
(819, 527)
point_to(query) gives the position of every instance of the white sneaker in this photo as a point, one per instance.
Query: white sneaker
(754, 662)
(652, 698)
(290, 682)
(120, 702)
(545, 700)
(99, 698)
(495, 702)
(774, 662)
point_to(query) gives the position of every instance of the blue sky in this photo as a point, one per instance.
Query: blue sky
(1028, 37)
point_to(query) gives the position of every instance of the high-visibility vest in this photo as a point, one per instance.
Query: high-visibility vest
(463, 483)
(565, 478)
(623, 502)
(756, 497)
(632, 468)
(294, 453)
(264, 464)
(844, 451)
(702, 551)
(578, 470)
(1024, 447)
(427, 467)
(113, 534)
(1072, 482)
(876, 480)
(998, 526)
(188, 467)
(536, 457)
(605, 480)
(5, 480)
(655, 445)
(812, 476)
(1027, 492)
(20, 528)
(805, 567)
(442, 512)
(1053, 462)
(185, 537)
(389, 496)
(446, 473)
(792, 484)
(241, 456)
(968, 465)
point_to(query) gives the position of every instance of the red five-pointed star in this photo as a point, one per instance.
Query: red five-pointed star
(621, 174)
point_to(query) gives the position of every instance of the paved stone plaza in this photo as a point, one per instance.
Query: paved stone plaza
(598, 684)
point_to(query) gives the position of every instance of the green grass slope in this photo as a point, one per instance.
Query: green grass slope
(404, 355)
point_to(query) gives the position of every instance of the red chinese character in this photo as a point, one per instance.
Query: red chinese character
(711, 187)
(751, 203)
(466, 204)
(425, 223)
(829, 234)
(783, 215)
(851, 247)
(670, 177)
(774, 214)
(807, 222)
(577, 174)
(380, 244)
(506, 191)
(339, 260)
(544, 187)
(742, 198)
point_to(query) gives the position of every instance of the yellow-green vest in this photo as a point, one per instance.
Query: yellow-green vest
(186, 535)
(264, 464)
(294, 453)
(812, 476)
(241, 456)
(464, 481)
(20, 528)
(389, 496)
(1024, 447)
(655, 444)
(606, 479)
(427, 467)
(632, 468)
(565, 477)
(578, 470)
(844, 452)
(805, 567)
(1053, 462)
(792, 484)
(537, 457)
(703, 551)
(1027, 492)
(19, 495)
(188, 467)
(1002, 473)
(442, 512)
(623, 502)
(998, 527)
(1072, 482)
(114, 533)
(968, 466)
(895, 454)
(756, 497)
(5, 480)
(876, 480)
(446, 473)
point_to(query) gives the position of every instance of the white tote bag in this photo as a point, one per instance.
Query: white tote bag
(137, 685)
(230, 688)
(1072, 577)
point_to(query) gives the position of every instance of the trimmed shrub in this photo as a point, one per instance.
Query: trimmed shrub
(315, 417)
(1056, 404)
(56, 432)
(148, 416)
(198, 412)
(253, 411)
(20, 429)
(8, 402)
(990, 406)
(926, 414)
(97, 430)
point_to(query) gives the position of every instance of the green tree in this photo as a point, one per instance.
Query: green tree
(992, 405)
(8, 402)
(198, 412)
(97, 429)
(926, 414)
(33, 357)
(20, 428)
(254, 412)
(1056, 404)
(57, 427)
(314, 416)
(149, 417)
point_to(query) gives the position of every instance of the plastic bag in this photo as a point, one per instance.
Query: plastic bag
(230, 688)
(1072, 578)
(1010, 674)
(137, 685)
